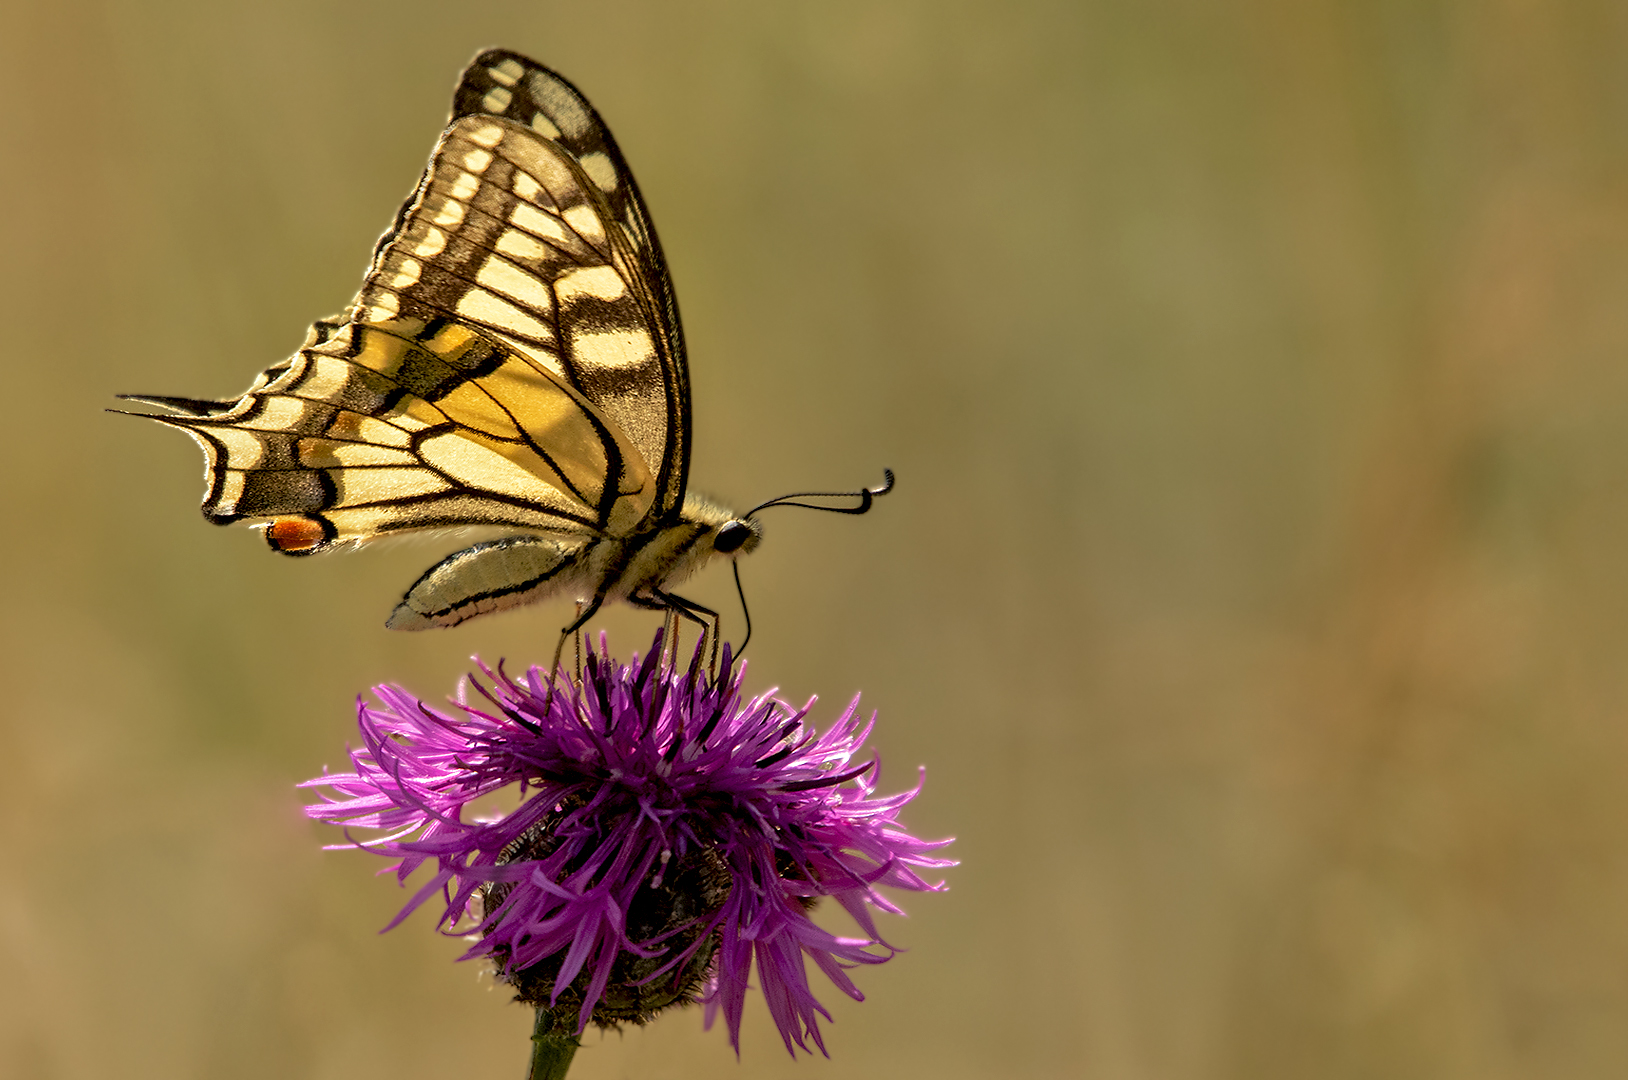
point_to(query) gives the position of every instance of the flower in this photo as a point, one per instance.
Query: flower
(669, 833)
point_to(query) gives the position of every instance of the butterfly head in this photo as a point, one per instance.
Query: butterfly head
(713, 529)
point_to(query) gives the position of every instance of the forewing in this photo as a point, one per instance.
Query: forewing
(636, 374)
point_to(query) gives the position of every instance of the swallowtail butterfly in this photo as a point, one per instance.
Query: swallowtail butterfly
(513, 360)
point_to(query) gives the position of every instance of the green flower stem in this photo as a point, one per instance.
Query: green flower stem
(552, 1047)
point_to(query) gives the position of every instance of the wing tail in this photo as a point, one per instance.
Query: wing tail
(184, 405)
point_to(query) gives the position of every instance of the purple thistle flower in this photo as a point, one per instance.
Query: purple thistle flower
(669, 833)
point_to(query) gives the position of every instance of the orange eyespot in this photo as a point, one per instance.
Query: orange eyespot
(294, 534)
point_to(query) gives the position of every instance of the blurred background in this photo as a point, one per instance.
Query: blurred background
(1255, 590)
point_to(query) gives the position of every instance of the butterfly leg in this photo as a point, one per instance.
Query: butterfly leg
(669, 637)
(576, 647)
(689, 609)
(670, 627)
(678, 607)
(584, 614)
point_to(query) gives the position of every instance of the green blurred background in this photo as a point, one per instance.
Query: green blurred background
(1255, 589)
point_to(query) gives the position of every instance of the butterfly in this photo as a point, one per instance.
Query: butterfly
(513, 360)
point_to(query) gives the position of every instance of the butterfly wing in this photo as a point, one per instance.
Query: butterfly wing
(513, 359)
(505, 84)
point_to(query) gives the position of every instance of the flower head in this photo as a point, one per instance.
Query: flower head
(669, 833)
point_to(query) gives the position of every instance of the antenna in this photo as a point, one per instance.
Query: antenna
(866, 496)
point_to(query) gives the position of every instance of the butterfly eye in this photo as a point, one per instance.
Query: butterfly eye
(730, 536)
